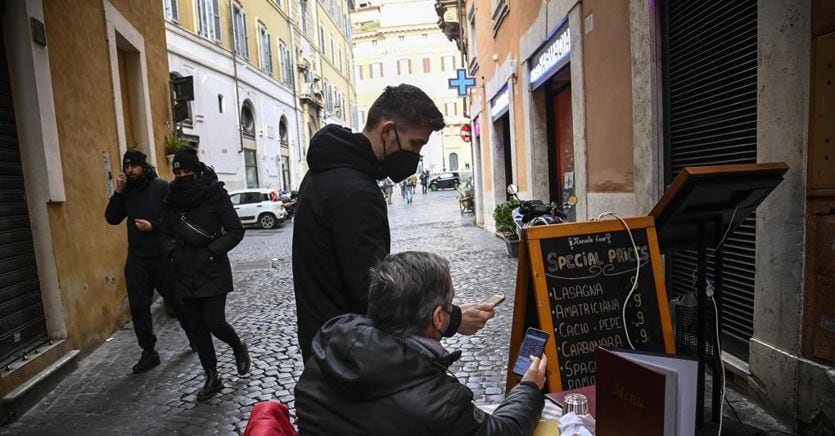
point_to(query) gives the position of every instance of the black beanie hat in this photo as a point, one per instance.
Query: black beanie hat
(134, 157)
(186, 159)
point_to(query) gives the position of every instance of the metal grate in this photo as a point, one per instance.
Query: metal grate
(710, 69)
(22, 321)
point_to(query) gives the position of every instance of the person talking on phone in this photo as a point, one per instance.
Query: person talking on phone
(138, 197)
(387, 373)
(341, 227)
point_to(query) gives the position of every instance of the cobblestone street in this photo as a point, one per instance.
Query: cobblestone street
(103, 397)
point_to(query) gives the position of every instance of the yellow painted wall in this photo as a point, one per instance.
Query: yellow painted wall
(87, 249)
(276, 21)
(330, 70)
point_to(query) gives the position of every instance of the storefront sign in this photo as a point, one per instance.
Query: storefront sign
(551, 57)
(500, 104)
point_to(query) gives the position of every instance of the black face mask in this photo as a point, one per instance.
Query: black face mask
(185, 181)
(401, 163)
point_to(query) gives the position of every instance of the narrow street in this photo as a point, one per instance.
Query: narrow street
(103, 397)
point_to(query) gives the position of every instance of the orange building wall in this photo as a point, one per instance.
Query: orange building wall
(608, 91)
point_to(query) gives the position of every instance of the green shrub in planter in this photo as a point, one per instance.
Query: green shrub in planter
(503, 215)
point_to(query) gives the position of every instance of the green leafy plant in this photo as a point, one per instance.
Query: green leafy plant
(503, 215)
(173, 142)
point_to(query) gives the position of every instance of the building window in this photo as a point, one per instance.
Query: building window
(450, 109)
(357, 72)
(401, 38)
(266, 49)
(472, 39)
(373, 42)
(376, 70)
(248, 119)
(304, 16)
(453, 161)
(286, 64)
(208, 19)
(424, 35)
(447, 63)
(251, 165)
(500, 10)
(427, 68)
(321, 38)
(220, 103)
(241, 37)
(333, 52)
(404, 67)
(283, 138)
(172, 11)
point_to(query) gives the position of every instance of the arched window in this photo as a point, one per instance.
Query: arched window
(248, 119)
(453, 161)
(283, 137)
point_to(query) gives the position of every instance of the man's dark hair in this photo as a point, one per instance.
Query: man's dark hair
(407, 105)
(405, 289)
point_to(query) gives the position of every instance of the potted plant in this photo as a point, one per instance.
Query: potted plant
(505, 227)
(465, 197)
(173, 142)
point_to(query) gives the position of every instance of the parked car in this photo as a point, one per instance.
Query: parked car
(444, 181)
(262, 207)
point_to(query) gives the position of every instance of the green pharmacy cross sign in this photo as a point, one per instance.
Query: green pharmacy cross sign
(462, 82)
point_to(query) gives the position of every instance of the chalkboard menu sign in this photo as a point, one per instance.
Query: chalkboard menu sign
(580, 275)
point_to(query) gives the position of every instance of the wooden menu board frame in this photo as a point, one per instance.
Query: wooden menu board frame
(531, 287)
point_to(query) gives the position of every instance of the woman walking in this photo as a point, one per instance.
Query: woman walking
(199, 227)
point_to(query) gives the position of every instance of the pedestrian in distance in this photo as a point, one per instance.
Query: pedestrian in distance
(200, 227)
(387, 373)
(138, 196)
(410, 181)
(388, 186)
(342, 228)
(424, 181)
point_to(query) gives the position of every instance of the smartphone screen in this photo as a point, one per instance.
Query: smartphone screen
(532, 345)
(494, 299)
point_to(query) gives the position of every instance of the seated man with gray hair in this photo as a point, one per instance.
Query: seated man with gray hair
(387, 373)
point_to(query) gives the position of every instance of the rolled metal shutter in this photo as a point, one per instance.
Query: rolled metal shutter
(710, 72)
(22, 322)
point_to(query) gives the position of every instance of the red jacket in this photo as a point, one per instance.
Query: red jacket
(269, 418)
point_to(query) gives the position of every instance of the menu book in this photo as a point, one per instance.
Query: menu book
(641, 393)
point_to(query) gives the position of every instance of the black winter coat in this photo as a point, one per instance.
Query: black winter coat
(198, 236)
(144, 202)
(340, 229)
(363, 381)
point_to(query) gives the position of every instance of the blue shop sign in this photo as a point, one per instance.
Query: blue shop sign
(500, 104)
(551, 57)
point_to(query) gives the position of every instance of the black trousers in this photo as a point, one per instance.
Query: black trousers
(142, 276)
(207, 317)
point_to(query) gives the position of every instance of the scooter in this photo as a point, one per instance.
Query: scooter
(538, 213)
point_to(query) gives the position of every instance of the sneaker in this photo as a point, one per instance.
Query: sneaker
(149, 360)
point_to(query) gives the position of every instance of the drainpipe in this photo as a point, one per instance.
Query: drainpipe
(235, 75)
(295, 93)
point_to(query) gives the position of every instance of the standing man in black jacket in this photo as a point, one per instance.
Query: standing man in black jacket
(342, 228)
(138, 197)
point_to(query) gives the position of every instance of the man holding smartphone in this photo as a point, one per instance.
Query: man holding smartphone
(138, 197)
(388, 373)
